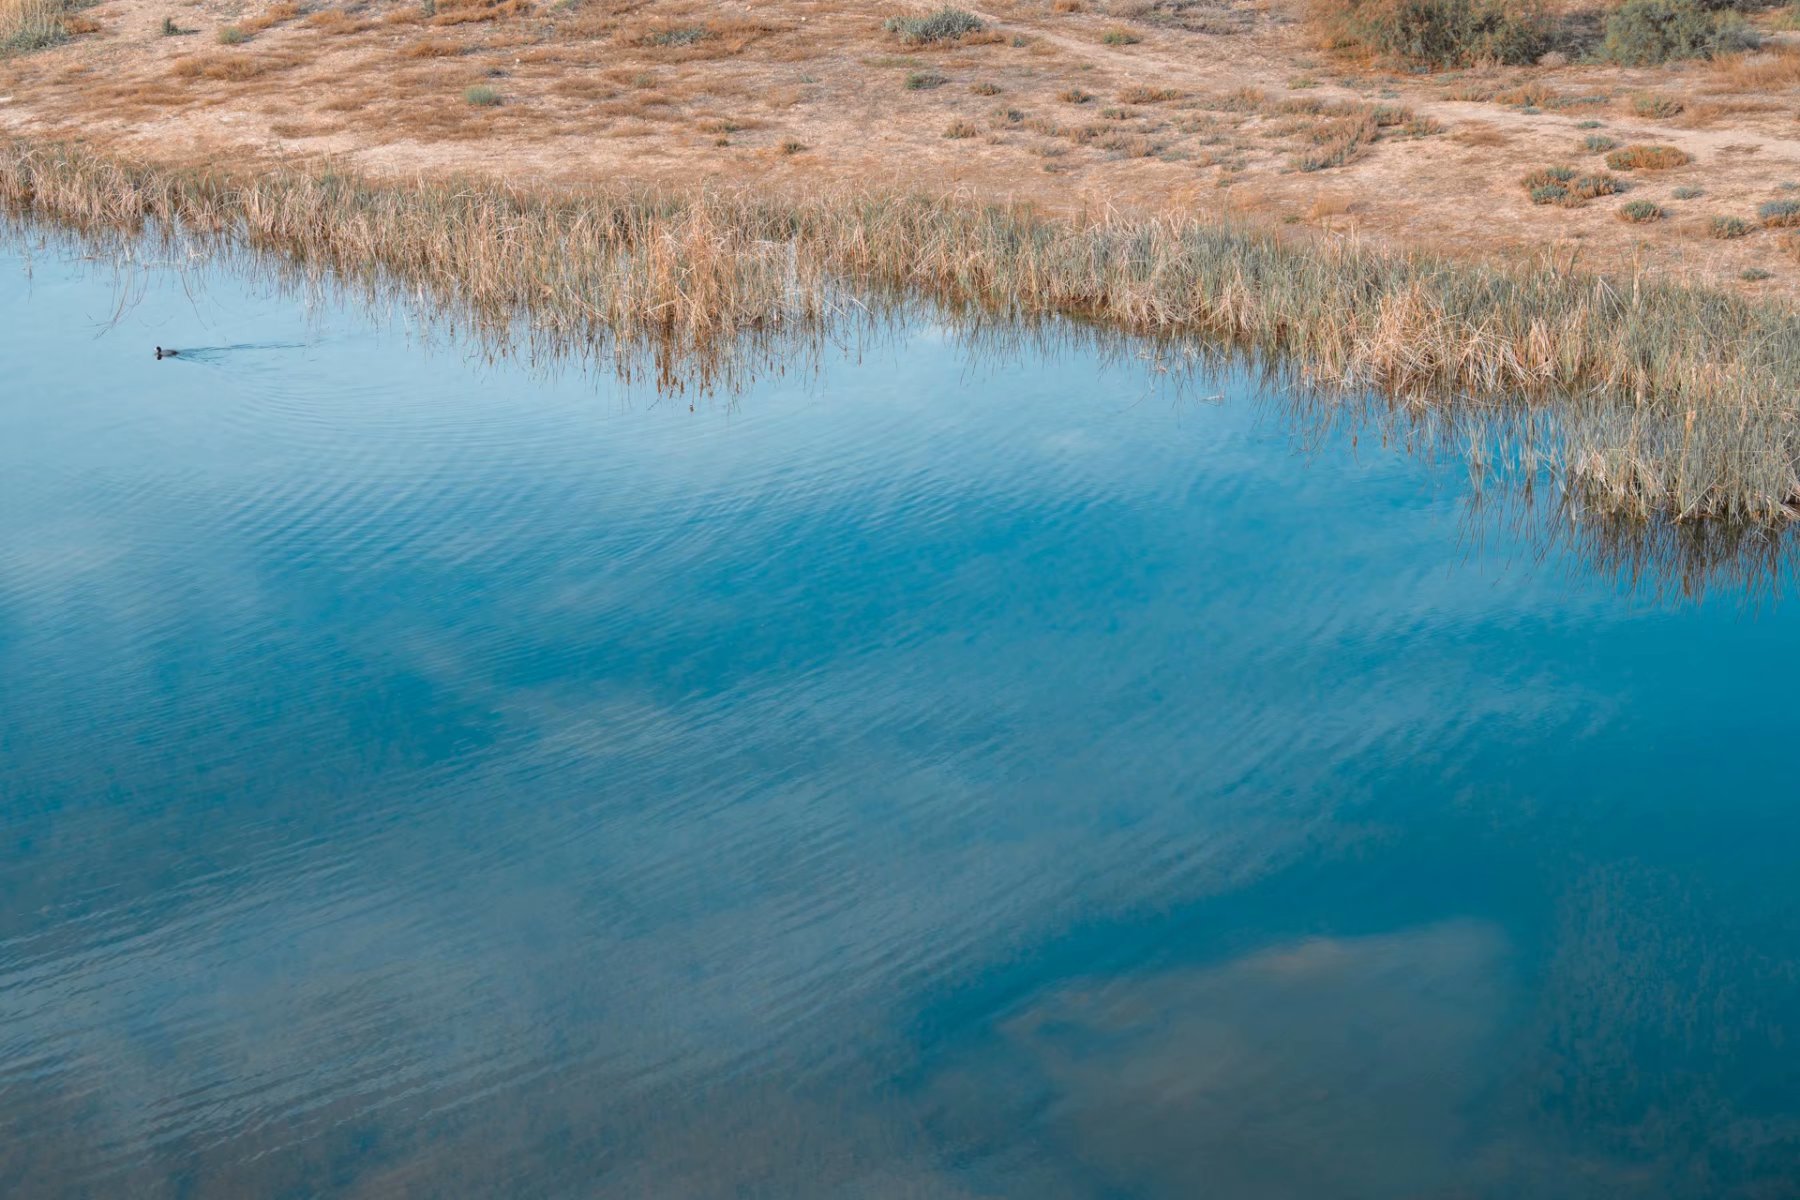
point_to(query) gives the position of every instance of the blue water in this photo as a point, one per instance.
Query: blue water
(930, 775)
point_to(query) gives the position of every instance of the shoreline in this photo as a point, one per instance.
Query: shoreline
(1675, 399)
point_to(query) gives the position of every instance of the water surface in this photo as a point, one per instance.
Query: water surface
(932, 775)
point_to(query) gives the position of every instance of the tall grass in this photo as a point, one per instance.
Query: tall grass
(1674, 399)
(27, 25)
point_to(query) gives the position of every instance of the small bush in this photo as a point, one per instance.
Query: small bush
(482, 96)
(1590, 187)
(1120, 37)
(1755, 275)
(1648, 158)
(1599, 143)
(944, 25)
(1655, 105)
(1688, 193)
(1779, 213)
(985, 89)
(1549, 193)
(170, 28)
(1726, 228)
(1647, 32)
(960, 129)
(1640, 212)
(792, 146)
(1075, 96)
(924, 81)
(1589, 124)
(231, 35)
(1546, 176)
(1437, 32)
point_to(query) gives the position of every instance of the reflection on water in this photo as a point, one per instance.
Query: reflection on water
(924, 772)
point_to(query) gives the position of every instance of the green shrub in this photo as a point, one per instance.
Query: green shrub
(170, 28)
(231, 35)
(1646, 32)
(1755, 275)
(1549, 193)
(1599, 143)
(1640, 212)
(482, 96)
(1437, 32)
(944, 25)
(1688, 193)
(1725, 228)
(1120, 37)
(924, 81)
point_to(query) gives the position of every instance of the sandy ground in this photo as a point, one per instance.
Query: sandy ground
(814, 93)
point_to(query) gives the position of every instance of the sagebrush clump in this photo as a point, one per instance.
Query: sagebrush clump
(1435, 32)
(1784, 213)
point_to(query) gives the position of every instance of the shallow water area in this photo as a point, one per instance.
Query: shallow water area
(921, 773)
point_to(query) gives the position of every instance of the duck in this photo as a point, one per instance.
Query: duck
(162, 354)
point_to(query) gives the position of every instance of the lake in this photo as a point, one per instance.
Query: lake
(936, 769)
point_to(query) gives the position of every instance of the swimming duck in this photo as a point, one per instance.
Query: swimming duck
(162, 354)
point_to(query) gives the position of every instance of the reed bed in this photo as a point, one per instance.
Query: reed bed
(1670, 399)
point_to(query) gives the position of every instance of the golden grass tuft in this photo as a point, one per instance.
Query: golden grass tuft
(434, 48)
(1648, 158)
(337, 22)
(276, 14)
(469, 12)
(228, 68)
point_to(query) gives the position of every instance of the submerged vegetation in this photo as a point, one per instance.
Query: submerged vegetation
(1669, 399)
